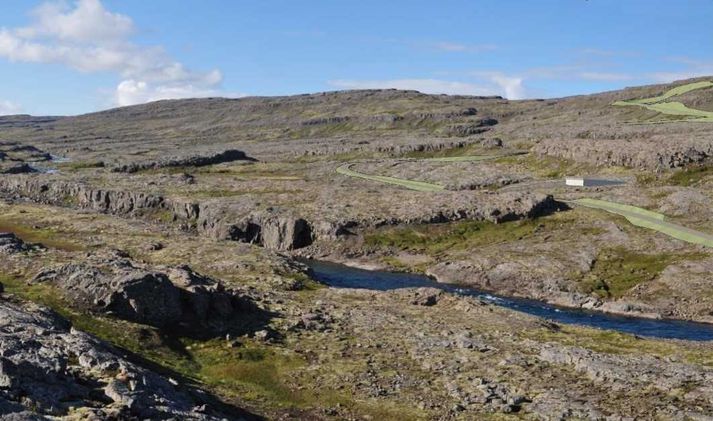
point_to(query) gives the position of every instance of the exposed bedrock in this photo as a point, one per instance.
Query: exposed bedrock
(471, 128)
(157, 296)
(285, 230)
(622, 372)
(645, 154)
(10, 244)
(18, 169)
(48, 369)
(230, 155)
(391, 146)
(274, 228)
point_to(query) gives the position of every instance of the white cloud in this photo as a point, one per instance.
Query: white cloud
(9, 108)
(511, 86)
(131, 92)
(87, 22)
(493, 83)
(86, 37)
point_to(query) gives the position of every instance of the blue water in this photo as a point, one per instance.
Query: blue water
(341, 276)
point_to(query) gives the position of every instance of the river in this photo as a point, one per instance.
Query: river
(341, 276)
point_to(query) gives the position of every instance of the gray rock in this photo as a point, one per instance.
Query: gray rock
(10, 243)
(18, 169)
(44, 375)
(230, 155)
(157, 296)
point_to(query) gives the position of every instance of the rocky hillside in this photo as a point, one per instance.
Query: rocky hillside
(376, 120)
(155, 259)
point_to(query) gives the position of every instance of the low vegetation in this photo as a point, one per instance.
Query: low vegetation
(435, 239)
(690, 176)
(617, 270)
(37, 235)
(255, 372)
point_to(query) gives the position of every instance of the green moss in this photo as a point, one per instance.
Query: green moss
(437, 238)
(618, 270)
(253, 373)
(266, 376)
(80, 165)
(161, 215)
(690, 176)
(147, 342)
(673, 110)
(45, 236)
(546, 166)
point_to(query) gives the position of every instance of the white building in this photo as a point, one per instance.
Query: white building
(591, 182)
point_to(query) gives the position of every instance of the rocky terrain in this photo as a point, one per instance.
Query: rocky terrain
(152, 263)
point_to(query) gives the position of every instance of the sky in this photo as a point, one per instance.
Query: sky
(66, 57)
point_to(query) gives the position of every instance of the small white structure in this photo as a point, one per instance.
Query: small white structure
(592, 182)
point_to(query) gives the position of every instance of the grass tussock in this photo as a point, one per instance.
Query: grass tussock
(690, 176)
(434, 239)
(618, 270)
(35, 235)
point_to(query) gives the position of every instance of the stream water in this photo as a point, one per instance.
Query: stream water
(341, 276)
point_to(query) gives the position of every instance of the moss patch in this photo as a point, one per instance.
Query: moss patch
(438, 238)
(691, 175)
(618, 270)
(45, 236)
(546, 166)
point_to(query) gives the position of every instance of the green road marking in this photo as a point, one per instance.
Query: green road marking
(409, 184)
(673, 108)
(618, 207)
(679, 90)
(651, 220)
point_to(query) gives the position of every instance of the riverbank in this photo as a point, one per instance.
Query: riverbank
(344, 276)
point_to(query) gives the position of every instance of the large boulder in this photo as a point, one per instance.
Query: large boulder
(10, 243)
(286, 233)
(156, 296)
(48, 369)
(229, 155)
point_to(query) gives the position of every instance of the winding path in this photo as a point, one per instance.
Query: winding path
(636, 216)
(661, 104)
(409, 184)
(651, 220)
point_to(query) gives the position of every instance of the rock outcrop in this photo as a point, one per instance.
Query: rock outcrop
(644, 154)
(48, 370)
(230, 155)
(10, 243)
(627, 372)
(471, 128)
(273, 230)
(157, 296)
(18, 169)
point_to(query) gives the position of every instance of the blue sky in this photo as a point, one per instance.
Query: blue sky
(76, 56)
